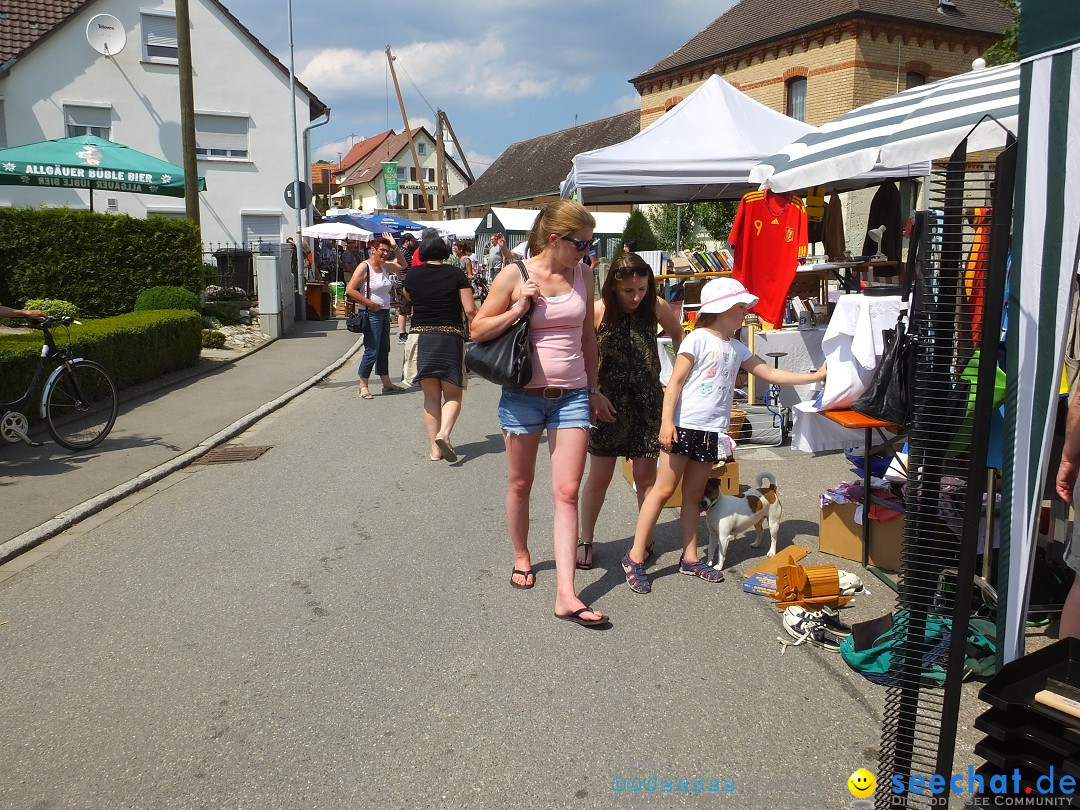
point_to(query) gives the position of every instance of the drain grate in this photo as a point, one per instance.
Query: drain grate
(232, 453)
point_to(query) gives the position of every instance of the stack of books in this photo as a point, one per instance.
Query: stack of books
(709, 261)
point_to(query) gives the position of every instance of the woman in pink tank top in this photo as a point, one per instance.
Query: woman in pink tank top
(561, 398)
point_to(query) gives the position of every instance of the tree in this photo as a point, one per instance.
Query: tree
(1006, 49)
(712, 218)
(637, 230)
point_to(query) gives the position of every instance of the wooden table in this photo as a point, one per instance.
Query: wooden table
(857, 421)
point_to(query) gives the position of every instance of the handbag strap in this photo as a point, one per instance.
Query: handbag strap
(525, 277)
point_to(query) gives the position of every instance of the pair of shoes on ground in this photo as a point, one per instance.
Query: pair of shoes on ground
(638, 579)
(529, 577)
(821, 628)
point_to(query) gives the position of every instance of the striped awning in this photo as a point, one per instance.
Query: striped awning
(1046, 246)
(917, 125)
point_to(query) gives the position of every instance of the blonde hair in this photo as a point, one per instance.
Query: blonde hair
(706, 319)
(563, 218)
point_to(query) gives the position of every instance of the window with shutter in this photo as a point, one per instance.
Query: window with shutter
(82, 120)
(221, 137)
(159, 38)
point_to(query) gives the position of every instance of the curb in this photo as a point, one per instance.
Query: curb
(65, 520)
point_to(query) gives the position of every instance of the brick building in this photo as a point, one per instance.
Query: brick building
(817, 60)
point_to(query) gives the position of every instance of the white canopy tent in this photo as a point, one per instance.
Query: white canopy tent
(701, 149)
(457, 228)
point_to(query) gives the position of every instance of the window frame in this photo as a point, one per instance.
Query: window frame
(145, 32)
(74, 128)
(221, 151)
(792, 103)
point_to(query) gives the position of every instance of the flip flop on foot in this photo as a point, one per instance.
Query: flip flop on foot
(576, 617)
(523, 586)
(365, 393)
(448, 451)
(391, 389)
(584, 560)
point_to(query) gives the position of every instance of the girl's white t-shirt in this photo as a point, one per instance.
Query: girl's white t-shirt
(705, 402)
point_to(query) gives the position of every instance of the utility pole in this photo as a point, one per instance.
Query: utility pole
(440, 164)
(187, 112)
(408, 130)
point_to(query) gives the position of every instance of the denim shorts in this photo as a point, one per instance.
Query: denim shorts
(531, 413)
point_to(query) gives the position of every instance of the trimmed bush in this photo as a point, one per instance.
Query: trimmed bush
(99, 262)
(135, 348)
(212, 339)
(167, 298)
(51, 306)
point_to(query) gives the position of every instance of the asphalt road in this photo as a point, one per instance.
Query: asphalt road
(332, 625)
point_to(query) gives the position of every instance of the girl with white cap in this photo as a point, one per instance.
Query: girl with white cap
(695, 420)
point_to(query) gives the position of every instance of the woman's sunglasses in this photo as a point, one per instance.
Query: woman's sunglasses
(623, 273)
(580, 245)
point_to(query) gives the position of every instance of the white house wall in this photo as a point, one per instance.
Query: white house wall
(231, 75)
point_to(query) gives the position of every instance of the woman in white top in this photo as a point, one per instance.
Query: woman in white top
(369, 287)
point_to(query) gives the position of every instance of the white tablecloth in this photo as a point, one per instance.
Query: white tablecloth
(804, 353)
(853, 344)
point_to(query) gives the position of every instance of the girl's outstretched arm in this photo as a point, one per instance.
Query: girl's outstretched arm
(763, 371)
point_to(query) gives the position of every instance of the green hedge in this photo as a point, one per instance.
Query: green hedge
(99, 262)
(135, 348)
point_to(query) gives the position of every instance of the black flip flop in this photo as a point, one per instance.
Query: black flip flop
(526, 574)
(448, 451)
(575, 617)
(588, 553)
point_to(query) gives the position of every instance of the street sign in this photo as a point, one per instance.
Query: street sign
(291, 196)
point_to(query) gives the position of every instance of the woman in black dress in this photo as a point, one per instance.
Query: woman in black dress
(435, 351)
(626, 320)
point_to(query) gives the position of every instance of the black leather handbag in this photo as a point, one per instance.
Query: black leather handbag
(507, 359)
(888, 397)
(358, 322)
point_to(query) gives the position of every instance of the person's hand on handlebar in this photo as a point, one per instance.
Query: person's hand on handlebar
(31, 314)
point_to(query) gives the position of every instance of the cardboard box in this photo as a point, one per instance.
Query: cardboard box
(841, 536)
(728, 474)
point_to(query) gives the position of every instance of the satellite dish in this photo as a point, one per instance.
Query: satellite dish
(106, 34)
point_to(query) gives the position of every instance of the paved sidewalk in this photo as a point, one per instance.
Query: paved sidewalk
(161, 427)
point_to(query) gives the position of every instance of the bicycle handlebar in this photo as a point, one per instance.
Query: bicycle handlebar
(55, 320)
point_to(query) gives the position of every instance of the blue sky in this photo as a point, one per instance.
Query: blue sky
(503, 70)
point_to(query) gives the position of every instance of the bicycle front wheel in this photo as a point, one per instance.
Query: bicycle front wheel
(79, 405)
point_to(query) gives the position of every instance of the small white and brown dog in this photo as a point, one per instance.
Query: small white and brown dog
(730, 515)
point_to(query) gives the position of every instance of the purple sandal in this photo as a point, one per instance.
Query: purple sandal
(636, 577)
(701, 570)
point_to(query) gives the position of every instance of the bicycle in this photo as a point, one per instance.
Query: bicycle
(78, 400)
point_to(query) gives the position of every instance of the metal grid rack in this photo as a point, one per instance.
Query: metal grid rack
(955, 318)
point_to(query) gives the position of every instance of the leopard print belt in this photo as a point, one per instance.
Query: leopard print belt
(457, 331)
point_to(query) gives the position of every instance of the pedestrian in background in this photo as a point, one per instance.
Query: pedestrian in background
(561, 395)
(442, 303)
(498, 255)
(370, 287)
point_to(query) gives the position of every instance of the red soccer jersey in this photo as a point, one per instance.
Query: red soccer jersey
(769, 237)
